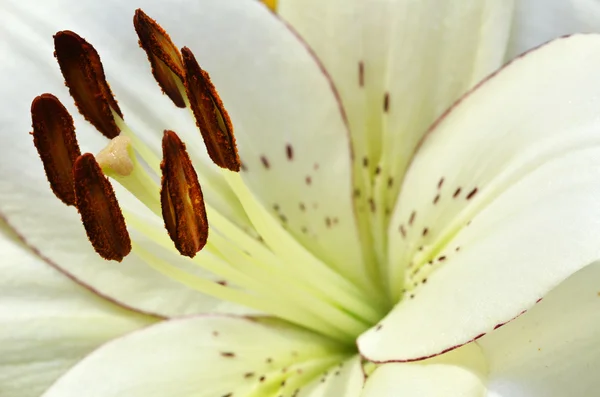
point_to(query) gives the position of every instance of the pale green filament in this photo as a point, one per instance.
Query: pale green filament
(339, 331)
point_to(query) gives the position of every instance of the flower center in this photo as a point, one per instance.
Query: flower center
(264, 268)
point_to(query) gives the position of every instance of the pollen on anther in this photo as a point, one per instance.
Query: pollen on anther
(100, 212)
(82, 70)
(211, 116)
(165, 58)
(181, 198)
(56, 143)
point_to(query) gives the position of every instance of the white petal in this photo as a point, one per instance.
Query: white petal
(202, 356)
(461, 373)
(25, 199)
(48, 322)
(537, 21)
(528, 140)
(552, 350)
(279, 97)
(109, 28)
(413, 58)
(343, 380)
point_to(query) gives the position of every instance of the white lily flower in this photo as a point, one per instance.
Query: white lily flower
(355, 240)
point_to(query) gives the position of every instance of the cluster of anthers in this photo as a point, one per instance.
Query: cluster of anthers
(79, 180)
(272, 273)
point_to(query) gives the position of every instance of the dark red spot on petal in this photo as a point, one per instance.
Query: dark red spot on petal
(386, 102)
(361, 74)
(471, 194)
(412, 218)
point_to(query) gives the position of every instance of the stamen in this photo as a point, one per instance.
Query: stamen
(164, 57)
(211, 117)
(82, 69)
(99, 209)
(181, 198)
(55, 141)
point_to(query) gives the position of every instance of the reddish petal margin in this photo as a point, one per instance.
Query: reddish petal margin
(527, 142)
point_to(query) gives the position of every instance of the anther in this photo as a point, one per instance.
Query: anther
(211, 117)
(164, 57)
(83, 73)
(55, 141)
(99, 209)
(181, 198)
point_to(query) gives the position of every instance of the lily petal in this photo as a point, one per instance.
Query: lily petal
(343, 380)
(54, 230)
(524, 147)
(291, 133)
(398, 65)
(553, 349)
(461, 373)
(538, 21)
(207, 356)
(47, 322)
(283, 110)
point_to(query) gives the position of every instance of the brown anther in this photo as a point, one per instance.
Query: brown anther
(55, 141)
(211, 117)
(181, 198)
(84, 75)
(99, 209)
(164, 57)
